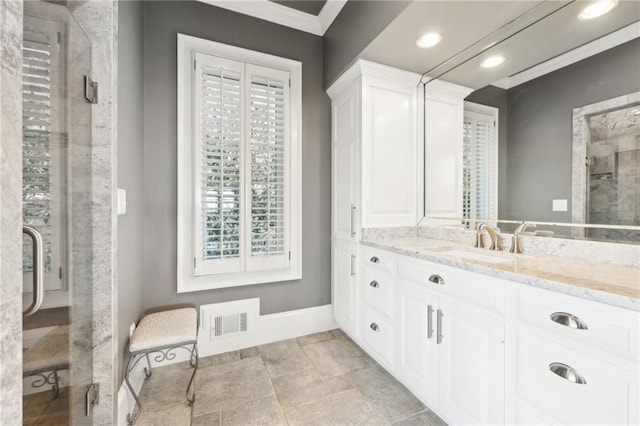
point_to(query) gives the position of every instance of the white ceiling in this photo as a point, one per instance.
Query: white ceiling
(463, 23)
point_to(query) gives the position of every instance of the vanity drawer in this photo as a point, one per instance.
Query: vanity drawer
(378, 335)
(379, 260)
(378, 291)
(592, 325)
(477, 289)
(582, 390)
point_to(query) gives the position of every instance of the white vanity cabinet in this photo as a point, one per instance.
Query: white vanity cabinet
(571, 361)
(451, 350)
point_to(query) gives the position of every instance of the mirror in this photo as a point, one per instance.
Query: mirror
(552, 133)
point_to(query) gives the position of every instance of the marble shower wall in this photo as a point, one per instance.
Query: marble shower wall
(10, 212)
(614, 174)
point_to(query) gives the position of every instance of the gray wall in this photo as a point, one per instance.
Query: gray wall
(162, 21)
(539, 136)
(359, 22)
(130, 170)
(497, 98)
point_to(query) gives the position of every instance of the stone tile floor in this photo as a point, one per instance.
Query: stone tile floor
(321, 379)
(43, 409)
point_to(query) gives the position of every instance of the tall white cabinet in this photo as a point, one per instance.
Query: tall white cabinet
(374, 144)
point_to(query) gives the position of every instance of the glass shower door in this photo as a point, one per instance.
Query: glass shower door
(56, 182)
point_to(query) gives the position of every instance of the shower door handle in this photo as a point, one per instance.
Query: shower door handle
(38, 270)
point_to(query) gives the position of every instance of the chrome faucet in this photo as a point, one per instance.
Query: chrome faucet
(516, 247)
(493, 234)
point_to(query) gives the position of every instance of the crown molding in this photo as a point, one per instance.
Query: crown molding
(283, 15)
(607, 42)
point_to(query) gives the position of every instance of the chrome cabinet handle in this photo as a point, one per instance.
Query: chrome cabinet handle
(374, 259)
(38, 270)
(436, 279)
(439, 336)
(374, 326)
(353, 265)
(353, 221)
(567, 373)
(374, 284)
(429, 322)
(568, 320)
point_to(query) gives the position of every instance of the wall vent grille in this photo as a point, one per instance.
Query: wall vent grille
(229, 319)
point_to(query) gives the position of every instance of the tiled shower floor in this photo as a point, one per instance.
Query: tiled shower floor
(320, 379)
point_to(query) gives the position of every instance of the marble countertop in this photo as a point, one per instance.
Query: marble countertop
(611, 284)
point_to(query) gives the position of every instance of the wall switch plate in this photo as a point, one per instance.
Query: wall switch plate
(559, 206)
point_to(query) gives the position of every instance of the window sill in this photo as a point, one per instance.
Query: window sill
(213, 282)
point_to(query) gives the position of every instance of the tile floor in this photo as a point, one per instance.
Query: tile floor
(321, 379)
(43, 409)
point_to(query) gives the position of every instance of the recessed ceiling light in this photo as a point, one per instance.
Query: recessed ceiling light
(429, 40)
(492, 61)
(596, 9)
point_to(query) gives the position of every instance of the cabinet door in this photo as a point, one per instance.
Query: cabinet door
(389, 153)
(471, 360)
(344, 286)
(344, 149)
(417, 357)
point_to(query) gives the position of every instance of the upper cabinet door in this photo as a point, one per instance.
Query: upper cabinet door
(389, 152)
(344, 158)
(444, 115)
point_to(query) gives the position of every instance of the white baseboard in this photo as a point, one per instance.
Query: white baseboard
(269, 328)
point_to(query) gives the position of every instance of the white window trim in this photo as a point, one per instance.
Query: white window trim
(186, 279)
(493, 113)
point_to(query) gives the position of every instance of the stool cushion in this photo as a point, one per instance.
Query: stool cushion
(162, 329)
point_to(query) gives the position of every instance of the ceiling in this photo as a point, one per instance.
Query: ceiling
(312, 7)
(468, 27)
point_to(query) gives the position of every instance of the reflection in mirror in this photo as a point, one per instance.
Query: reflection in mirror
(531, 170)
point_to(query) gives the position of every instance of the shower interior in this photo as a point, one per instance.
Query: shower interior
(57, 182)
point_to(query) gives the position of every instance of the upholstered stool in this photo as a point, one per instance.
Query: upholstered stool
(162, 332)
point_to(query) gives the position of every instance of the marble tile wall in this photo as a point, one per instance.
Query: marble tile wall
(10, 212)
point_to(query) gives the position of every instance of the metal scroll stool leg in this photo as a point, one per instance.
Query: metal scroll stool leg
(193, 361)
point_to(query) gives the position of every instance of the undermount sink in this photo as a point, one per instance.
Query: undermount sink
(487, 256)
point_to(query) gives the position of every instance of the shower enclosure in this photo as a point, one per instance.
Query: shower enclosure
(56, 195)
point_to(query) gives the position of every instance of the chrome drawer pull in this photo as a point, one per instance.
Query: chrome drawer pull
(567, 373)
(436, 279)
(439, 336)
(374, 284)
(374, 326)
(429, 322)
(374, 259)
(568, 320)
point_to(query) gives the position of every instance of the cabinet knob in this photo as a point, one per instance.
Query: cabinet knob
(374, 326)
(567, 373)
(374, 284)
(374, 259)
(568, 320)
(436, 279)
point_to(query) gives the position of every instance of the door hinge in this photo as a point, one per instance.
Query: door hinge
(59, 37)
(289, 255)
(289, 83)
(194, 262)
(194, 64)
(90, 90)
(60, 273)
(93, 397)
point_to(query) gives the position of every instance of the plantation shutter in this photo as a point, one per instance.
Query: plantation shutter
(267, 179)
(479, 167)
(218, 165)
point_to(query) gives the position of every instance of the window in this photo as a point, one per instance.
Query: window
(480, 167)
(238, 166)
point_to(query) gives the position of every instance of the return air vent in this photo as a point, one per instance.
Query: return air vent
(229, 319)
